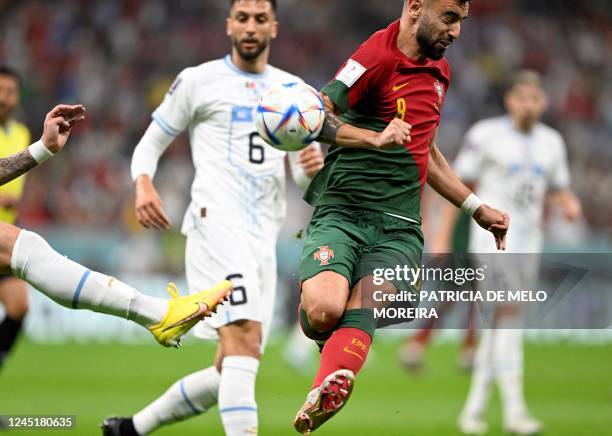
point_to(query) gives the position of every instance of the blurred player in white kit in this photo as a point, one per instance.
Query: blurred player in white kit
(237, 208)
(515, 162)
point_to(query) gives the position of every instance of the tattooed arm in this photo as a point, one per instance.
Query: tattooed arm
(56, 130)
(337, 132)
(15, 165)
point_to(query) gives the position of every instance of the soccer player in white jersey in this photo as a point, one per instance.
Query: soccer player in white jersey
(27, 256)
(232, 223)
(515, 162)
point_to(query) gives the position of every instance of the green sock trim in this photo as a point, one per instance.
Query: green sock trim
(362, 319)
(309, 331)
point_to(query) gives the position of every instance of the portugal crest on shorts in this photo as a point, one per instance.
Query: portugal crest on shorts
(324, 255)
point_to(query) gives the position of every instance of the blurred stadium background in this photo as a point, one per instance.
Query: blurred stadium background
(119, 57)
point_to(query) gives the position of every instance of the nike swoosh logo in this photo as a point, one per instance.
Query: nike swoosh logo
(201, 310)
(398, 87)
(346, 350)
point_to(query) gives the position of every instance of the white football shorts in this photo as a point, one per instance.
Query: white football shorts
(217, 252)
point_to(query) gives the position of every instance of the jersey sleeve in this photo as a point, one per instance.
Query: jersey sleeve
(359, 75)
(560, 177)
(175, 112)
(468, 162)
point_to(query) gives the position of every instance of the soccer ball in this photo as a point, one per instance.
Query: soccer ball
(289, 116)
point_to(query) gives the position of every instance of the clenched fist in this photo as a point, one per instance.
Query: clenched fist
(396, 133)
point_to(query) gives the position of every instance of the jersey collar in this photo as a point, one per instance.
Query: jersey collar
(235, 69)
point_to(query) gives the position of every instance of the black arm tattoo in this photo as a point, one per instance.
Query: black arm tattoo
(15, 165)
(331, 125)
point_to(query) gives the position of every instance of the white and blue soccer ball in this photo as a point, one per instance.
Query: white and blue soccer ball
(290, 116)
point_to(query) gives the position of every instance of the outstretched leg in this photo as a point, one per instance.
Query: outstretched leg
(74, 286)
(29, 257)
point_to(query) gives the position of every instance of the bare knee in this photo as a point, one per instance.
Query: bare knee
(324, 299)
(8, 236)
(18, 311)
(323, 317)
(242, 338)
(14, 297)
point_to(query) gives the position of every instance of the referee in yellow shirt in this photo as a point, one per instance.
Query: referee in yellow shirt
(14, 137)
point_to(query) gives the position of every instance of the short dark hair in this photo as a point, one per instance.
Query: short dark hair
(524, 77)
(5, 70)
(272, 2)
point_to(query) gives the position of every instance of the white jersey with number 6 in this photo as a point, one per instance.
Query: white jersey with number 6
(238, 177)
(513, 171)
(238, 199)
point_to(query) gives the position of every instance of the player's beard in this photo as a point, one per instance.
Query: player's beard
(428, 42)
(250, 55)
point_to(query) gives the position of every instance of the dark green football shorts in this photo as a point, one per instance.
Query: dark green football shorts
(357, 243)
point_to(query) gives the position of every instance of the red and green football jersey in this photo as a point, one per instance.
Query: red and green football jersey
(379, 83)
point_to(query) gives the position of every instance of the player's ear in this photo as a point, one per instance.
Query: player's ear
(274, 33)
(414, 8)
(228, 26)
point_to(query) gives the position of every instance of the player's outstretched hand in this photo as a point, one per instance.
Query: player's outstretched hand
(148, 204)
(311, 160)
(495, 221)
(58, 124)
(396, 133)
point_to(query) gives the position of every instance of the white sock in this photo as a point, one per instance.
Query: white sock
(74, 286)
(190, 396)
(508, 357)
(237, 395)
(482, 378)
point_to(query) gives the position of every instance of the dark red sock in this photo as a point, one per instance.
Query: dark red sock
(347, 348)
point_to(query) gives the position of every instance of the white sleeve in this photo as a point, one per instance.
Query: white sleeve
(174, 114)
(297, 172)
(468, 161)
(560, 177)
(148, 151)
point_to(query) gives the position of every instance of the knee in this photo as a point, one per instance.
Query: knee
(244, 340)
(17, 306)
(8, 236)
(19, 311)
(324, 299)
(323, 316)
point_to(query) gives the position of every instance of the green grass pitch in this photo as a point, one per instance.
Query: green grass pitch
(569, 388)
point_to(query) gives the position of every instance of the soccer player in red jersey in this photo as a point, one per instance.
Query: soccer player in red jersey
(383, 111)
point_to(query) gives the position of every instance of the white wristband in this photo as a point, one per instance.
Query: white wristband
(471, 204)
(39, 152)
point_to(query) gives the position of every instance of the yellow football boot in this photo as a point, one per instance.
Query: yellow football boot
(184, 312)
